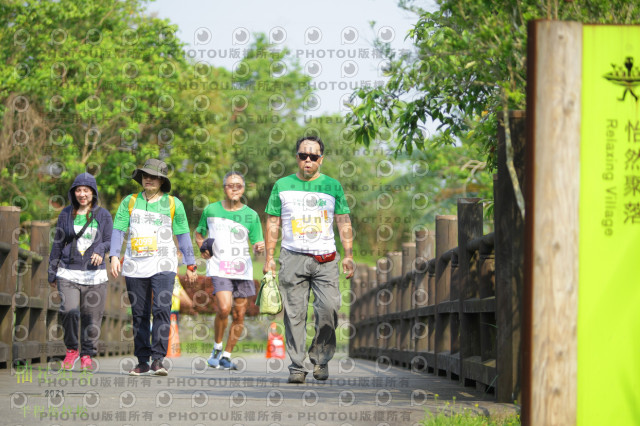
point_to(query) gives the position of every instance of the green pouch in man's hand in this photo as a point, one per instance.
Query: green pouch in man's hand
(268, 299)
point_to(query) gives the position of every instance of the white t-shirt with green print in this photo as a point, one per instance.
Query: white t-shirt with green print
(232, 231)
(150, 246)
(306, 210)
(82, 244)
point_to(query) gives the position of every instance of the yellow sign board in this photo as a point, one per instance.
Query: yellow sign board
(609, 252)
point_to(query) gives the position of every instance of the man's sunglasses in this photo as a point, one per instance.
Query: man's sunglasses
(313, 157)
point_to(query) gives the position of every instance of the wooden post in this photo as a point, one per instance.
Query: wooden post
(53, 323)
(424, 252)
(408, 260)
(39, 292)
(363, 287)
(407, 290)
(425, 244)
(371, 307)
(395, 262)
(355, 287)
(509, 260)
(454, 316)
(382, 271)
(551, 224)
(408, 257)
(40, 245)
(469, 227)
(446, 239)
(486, 289)
(431, 320)
(382, 297)
(9, 225)
(355, 311)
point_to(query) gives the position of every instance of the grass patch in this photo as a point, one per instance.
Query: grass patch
(452, 415)
(468, 419)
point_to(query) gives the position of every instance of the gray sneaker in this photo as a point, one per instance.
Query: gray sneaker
(321, 371)
(296, 377)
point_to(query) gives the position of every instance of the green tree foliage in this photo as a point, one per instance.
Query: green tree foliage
(468, 64)
(91, 86)
(264, 97)
(101, 86)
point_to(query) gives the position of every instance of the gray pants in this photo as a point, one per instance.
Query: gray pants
(298, 275)
(82, 304)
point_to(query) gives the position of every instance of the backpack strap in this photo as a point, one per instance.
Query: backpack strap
(172, 205)
(84, 228)
(132, 202)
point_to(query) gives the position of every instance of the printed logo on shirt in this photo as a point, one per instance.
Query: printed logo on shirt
(233, 267)
(149, 218)
(86, 239)
(239, 234)
(311, 225)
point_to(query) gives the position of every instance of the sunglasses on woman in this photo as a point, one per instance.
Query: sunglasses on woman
(148, 176)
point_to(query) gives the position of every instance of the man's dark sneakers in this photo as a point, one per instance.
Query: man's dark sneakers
(157, 369)
(140, 369)
(321, 371)
(296, 377)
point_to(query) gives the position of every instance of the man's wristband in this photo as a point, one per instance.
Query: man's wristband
(192, 268)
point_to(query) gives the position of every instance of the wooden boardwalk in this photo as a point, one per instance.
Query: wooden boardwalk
(358, 392)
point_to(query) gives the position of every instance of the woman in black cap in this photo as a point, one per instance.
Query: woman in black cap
(151, 260)
(77, 267)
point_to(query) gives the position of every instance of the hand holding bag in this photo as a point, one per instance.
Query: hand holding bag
(269, 299)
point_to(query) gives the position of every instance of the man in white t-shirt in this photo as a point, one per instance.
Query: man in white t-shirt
(305, 205)
(223, 234)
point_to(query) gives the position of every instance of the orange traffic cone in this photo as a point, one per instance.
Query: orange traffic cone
(173, 351)
(275, 343)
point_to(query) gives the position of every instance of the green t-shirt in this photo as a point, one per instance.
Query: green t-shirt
(306, 209)
(150, 246)
(231, 231)
(162, 206)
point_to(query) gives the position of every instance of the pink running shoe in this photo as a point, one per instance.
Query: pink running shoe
(70, 359)
(86, 363)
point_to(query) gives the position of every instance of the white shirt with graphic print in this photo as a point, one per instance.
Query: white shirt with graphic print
(83, 243)
(232, 231)
(306, 209)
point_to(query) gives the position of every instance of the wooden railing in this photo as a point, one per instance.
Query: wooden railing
(450, 302)
(435, 315)
(30, 330)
